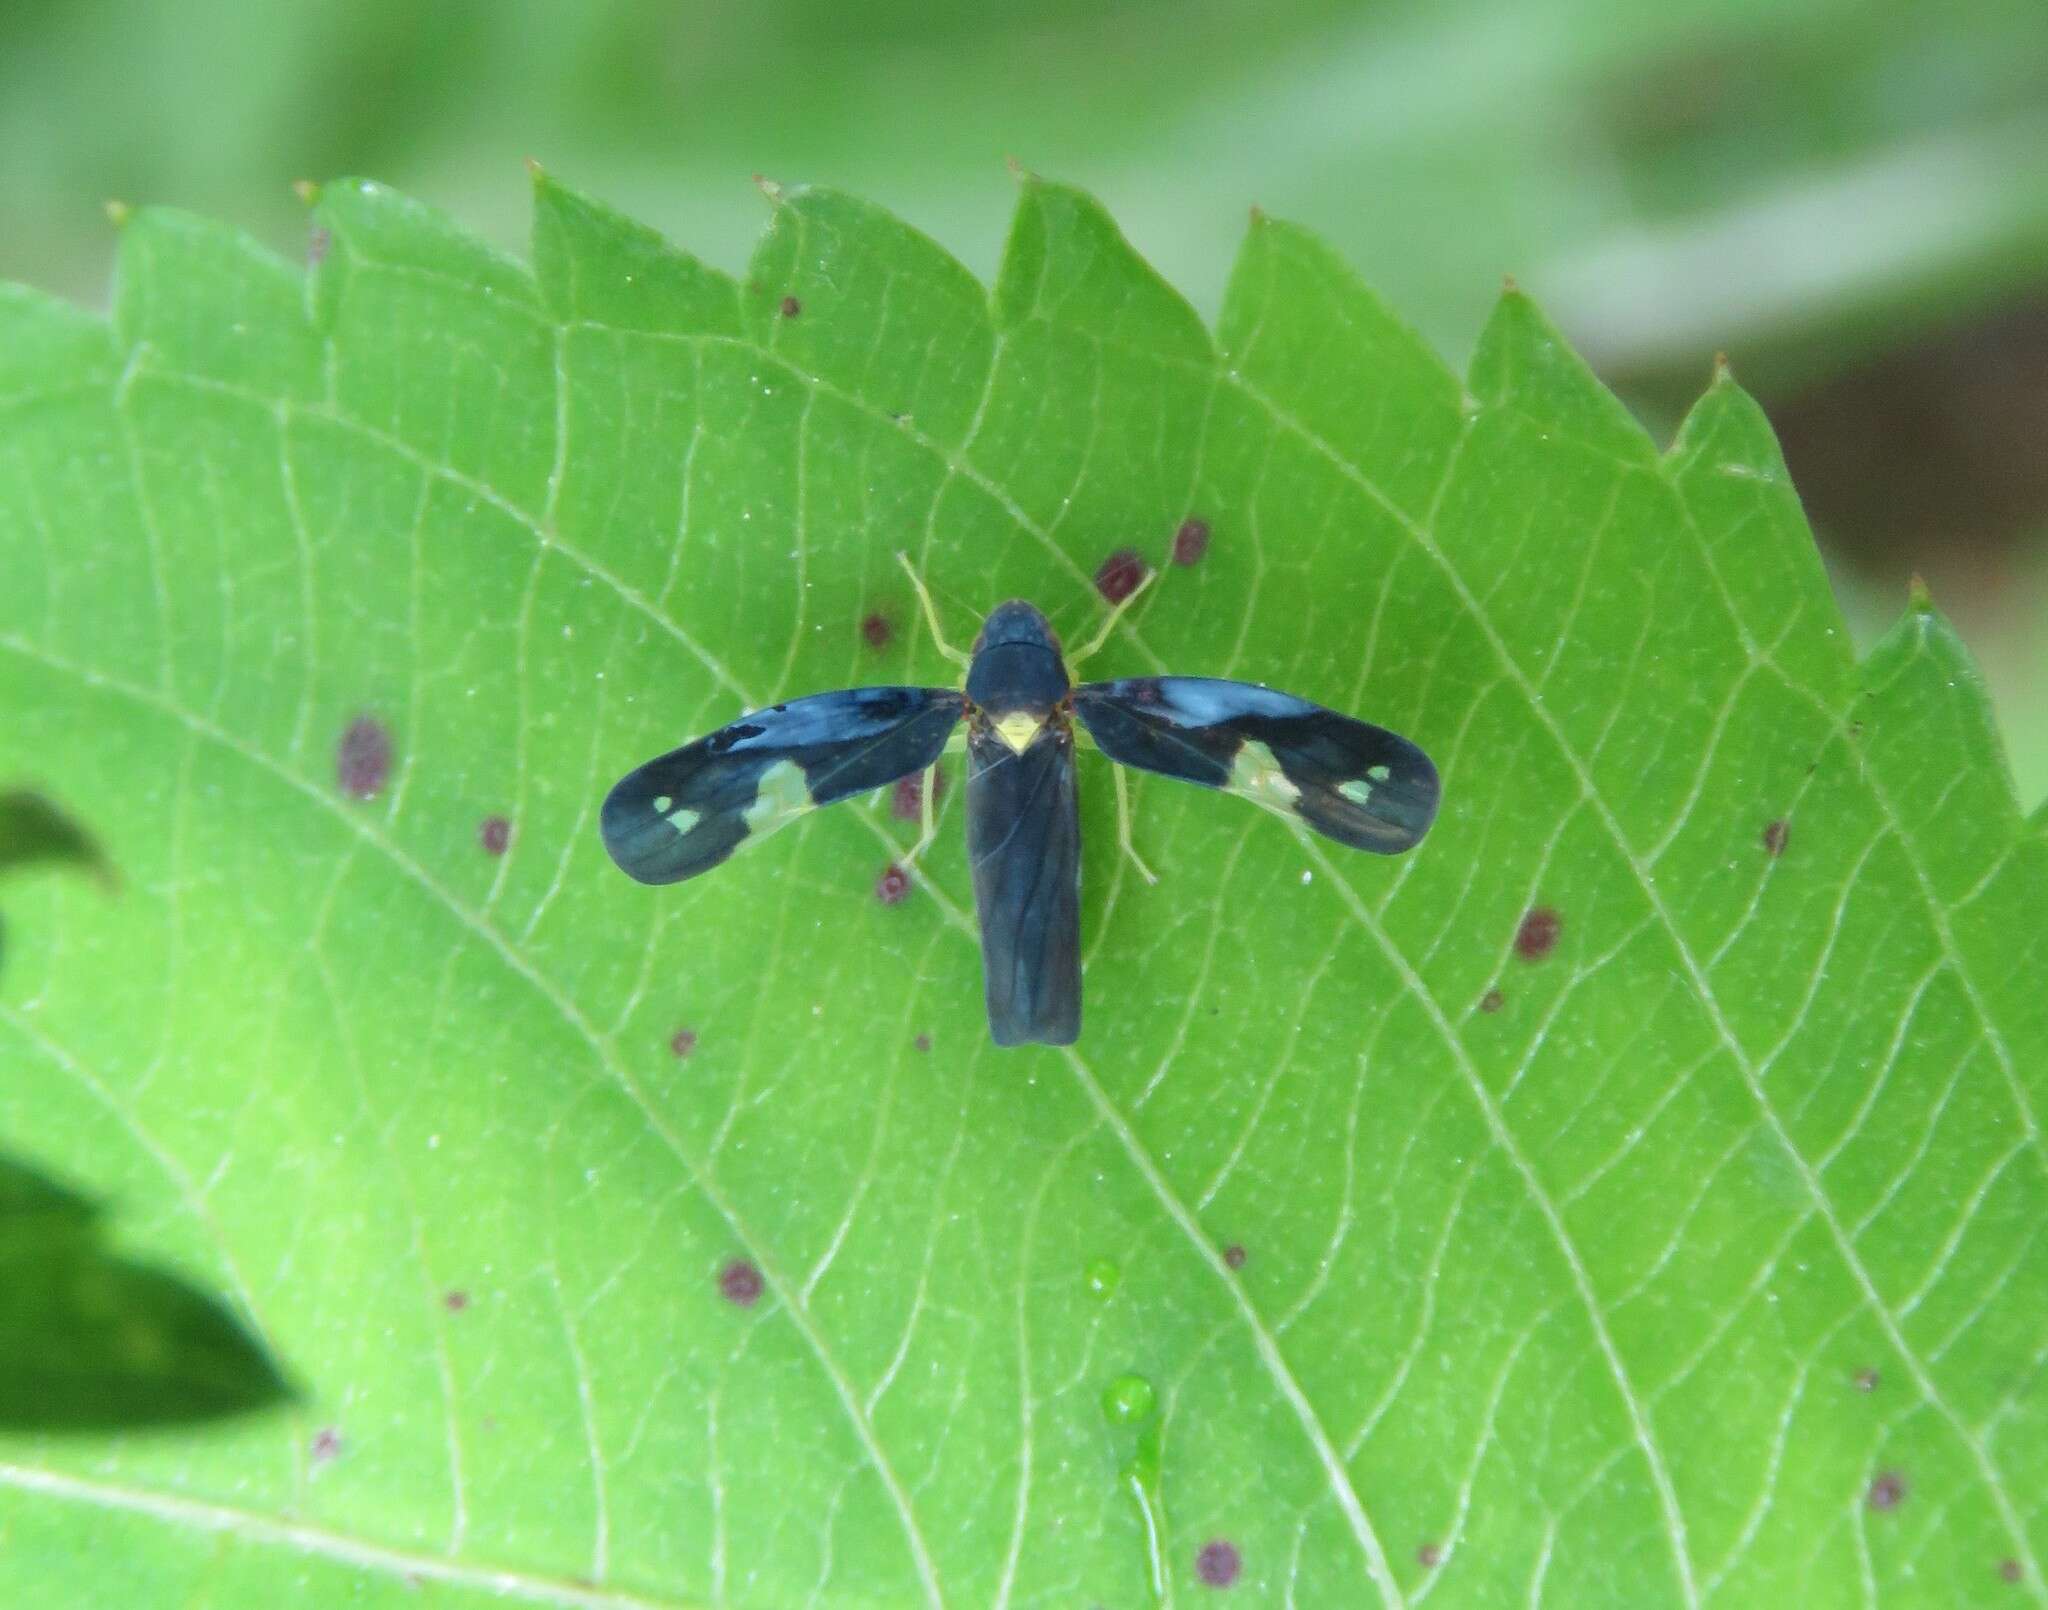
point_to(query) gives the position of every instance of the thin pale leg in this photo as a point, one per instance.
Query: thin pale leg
(927, 817)
(1115, 615)
(931, 615)
(1123, 826)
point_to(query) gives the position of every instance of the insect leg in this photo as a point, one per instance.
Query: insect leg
(1115, 615)
(931, 615)
(1123, 826)
(927, 821)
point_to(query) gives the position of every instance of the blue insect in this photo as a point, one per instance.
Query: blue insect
(687, 811)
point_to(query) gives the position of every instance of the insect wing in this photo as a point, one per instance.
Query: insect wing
(1356, 783)
(687, 811)
(1024, 844)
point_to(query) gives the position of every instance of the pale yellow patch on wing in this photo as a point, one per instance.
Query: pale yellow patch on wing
(783, 794)
(1257, 776)
(1358, 790)
(1017, 729)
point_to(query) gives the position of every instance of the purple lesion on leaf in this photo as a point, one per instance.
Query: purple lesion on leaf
(1121, 574)
(362, 759)
(740, 1283)
(1219, 1564)
(1538, 934)
(906, 799)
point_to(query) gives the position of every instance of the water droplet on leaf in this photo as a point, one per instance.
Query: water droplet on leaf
(1128, 1400)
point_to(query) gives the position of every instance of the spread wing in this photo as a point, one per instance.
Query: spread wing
(687, 811)
(1356, 783)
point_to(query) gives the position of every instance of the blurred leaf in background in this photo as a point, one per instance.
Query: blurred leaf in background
(34, 832)
(92, 1342)
(88, 1340)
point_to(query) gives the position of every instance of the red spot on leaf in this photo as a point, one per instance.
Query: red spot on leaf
(683, 1042)
(1190, 542)
(1866, 1380)
(318, 245)
(1537, 936)
(2009, 1571)
(1120, 575)
(923, 1042)
(739, 1283)
(455, 1301)
(906, 800)
(1775, 835)
(875, 630)
(1429, 1556)
(1219, 1563)
(1888, 1491)
(1492, 1001)
(326, 1445)
(1233, 1256)
(494, 833)
(362, 760)
(893, 885)
(791, 307)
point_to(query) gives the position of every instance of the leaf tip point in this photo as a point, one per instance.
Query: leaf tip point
(1019, 171)
(1918, 598)
(1510, 286)
(769, 188)
(307, 191)
(118, 212)
(535, 172)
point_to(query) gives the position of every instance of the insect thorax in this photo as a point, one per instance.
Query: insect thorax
(1017, 671)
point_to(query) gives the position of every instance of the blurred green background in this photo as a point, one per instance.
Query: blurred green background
(1848, 198)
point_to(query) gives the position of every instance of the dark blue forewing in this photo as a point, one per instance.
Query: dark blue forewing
(1024, 843)
(686, 812)
(1358, 784)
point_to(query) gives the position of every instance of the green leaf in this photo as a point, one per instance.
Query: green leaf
(693, 1246)
(33, 831)
(90, 1342)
